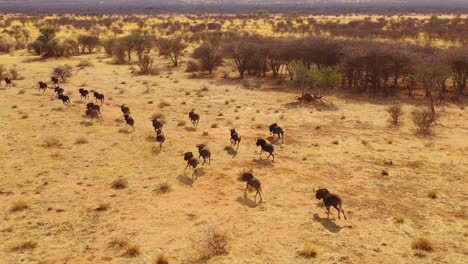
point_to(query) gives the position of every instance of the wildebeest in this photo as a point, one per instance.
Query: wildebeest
(65, 99)
(130, 121)
(276, 130)
(84, 94)
(125, 110)
(99, 97)
(58, 91)
(94, 114)
(235, 137)
(160, 137)
(194, 117)
(42, 86)
(266, 147)
(92, 106)
(191, 161)
(7, 82)
(253, 183)
(205, 153)
(55, 80)
(157, 124)
(330, 199)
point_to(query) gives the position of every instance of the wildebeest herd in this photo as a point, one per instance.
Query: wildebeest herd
(93, 111)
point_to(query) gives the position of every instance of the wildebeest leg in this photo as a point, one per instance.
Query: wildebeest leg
(342, 212)
(260, 194)
(209, 160)
(246, 187)
(261, 151)
(328, 212)
(195, 173)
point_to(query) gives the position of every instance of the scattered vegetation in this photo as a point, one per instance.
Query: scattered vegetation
(119, 183)
(424, 119)
(422, 244)
(19, 205)
(395, 111)
(24, 245)
(52, 142)
(308, 251)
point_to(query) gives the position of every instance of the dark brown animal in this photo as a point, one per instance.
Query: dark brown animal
(125, 110)
(194, 117)
(130, 121)
(157, 124)
(84, 94)
(276, 130)
(92, 106)
(42, 86)
(205, 153)
(160, 137)
(330, 199)
(58, 91)
(65, 99)
(93, 114)
(55, 80)
(98, 97)
(266, 147)
(235, 137)
(7, 82)
(191, 161)
(253, 183)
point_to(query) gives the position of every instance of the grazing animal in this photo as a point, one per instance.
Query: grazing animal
(330, 199)
(84, 94)
(55, 80)
(65, 99)
(276, 130)
(191, 161)
(99, 97)
(94, 114)
(7, 82)
(205, 153)
(194, 117)
(266, 147)
(252, 182)
(158, 125)
(235, 138)
(42, 86)
(58, 91)
(160, 137)
(125, 110)
(130, 121)
(92, 106)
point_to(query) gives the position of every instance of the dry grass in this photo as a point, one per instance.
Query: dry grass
(181, 123)
(162, 259)
(23, 246)
(19, 205)
(102, 207)
(118, 243)
(432, 194)
(163, 188)
(119, 183)
(81, 140)
(51, 142)
(131, 251)
(422, 244)
(308, 251)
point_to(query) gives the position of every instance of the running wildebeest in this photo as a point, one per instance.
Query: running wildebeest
(204, 153)
(194, 117)
(55, 80)
(191, 161)
(235, 137)
(93, 106)
(330, 199)
(65, 99)
(253, 183)
(130, 121)
(7, 82)
(276, 130)
(94, 114)
(42, 86)
(99, 97)
(125, 110)
(157, 124)
(160, 137)
(266, 147)
(84, 94)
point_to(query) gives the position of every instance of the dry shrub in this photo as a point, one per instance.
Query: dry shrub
(23, 246)
(215, 242)
(432, 194)
(119, 183)
(308, 251)
(192, 66)
(131, 251)
(422, 244)
(63, 71)
(424, 119)
(52, 142)
(205, 133)
(84, 63)
(163, 188)
(81, 141)
(398, 220)
(102, 207)
(118, 243)
(214, 125)
(181, 123)
(395, 111)
(161, 259)
(163, 104)
(19, 205)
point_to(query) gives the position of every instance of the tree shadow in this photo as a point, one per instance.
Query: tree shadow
(327, 223)
(244, 200)
(231, 151)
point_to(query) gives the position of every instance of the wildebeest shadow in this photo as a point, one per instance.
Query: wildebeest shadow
(119, 120)
(244, 200)
(125, 131)
(86, 123)
(190, 129)
(265, 162)
(327, 223)
(184, 179)
(58, 109)
(231, 151)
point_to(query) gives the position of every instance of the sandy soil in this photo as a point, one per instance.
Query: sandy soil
(343, 147)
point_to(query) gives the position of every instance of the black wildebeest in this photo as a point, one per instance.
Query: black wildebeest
(194, 117)
(253, 183)
(235, 137)
(276, 130)
(58, 91)
(130, 121)
(42, 86)
(266, 147)
(65, 99)
(7, 82)
(125, 110)
(157, 124)
(191, 161)
(99, 97)
(55, 80)
(330, 199)
(92, 106)
(94, 114)
(160, 137)
(84, 94)
(205, 153)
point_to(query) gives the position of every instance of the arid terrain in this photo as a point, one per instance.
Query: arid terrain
(60, 201)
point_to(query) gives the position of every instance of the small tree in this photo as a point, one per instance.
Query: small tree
(145, 63)
(172, 48)
(424, 119)
(209, 56)
(108, 45)
(395, 111)
(63, 71)
(323, 79)
(88, 43)
(47, 41)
